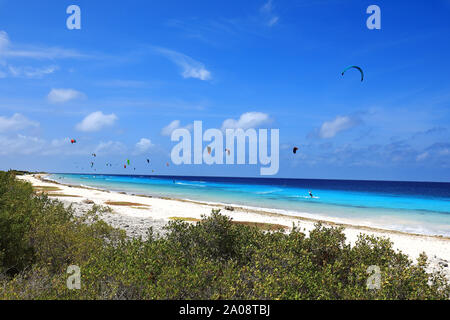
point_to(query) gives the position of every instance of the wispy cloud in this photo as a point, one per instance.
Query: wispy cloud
(267, 11)
(190, 67)
(15, 123)
(10, 50)
(329, 129)
(176, 124)
(28, 72)
(64, 95)
(21, 145)
(110, 147)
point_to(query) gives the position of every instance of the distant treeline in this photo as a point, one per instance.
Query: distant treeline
(211, 259)
(22, 172)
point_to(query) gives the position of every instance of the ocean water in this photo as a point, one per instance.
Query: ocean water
(418, 207)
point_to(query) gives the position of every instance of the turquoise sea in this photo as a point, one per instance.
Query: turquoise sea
(418, 207)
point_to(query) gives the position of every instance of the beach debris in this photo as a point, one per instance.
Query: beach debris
(295, 150)
(229, 208)
(354, 67)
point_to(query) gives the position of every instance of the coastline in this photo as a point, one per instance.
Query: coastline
(273, 212)
(150, 211)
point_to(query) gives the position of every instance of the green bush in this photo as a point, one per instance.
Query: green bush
(211, 259)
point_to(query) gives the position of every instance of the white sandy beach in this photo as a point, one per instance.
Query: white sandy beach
(156, 212)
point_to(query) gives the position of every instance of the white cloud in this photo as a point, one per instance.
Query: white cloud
(191, 68)
(176, 124)
(143, 145)
(22, 145)
(329, 129)
(13, 145)
(64, 95)
(111, 147)
(167, 130)
(246, 121)
(96, 121)
(15, 123)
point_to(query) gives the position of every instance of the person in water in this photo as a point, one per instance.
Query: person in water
(310, 194)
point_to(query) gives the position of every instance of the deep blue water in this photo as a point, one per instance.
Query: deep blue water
(421, 207)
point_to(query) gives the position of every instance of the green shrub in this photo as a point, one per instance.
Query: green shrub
(211, 259)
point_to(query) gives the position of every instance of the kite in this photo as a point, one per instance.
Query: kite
(73, 141)
(295, 150)
(125, 166)
(228, 151)
(148, 160)
(167, 164)
(128, 162)
(355, 67)
(209, 150)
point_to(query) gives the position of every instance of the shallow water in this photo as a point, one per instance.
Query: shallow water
(419, 207)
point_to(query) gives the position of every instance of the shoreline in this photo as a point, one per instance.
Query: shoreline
(152, 211)
(260, 210)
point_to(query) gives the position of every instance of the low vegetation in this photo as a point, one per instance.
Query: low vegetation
(46, 188)
(259, 225)
(125, 204)
(210, 259)
(62, 195)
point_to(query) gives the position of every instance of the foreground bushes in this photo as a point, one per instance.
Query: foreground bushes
(213, 259)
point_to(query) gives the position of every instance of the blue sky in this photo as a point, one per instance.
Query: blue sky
(138, 69)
